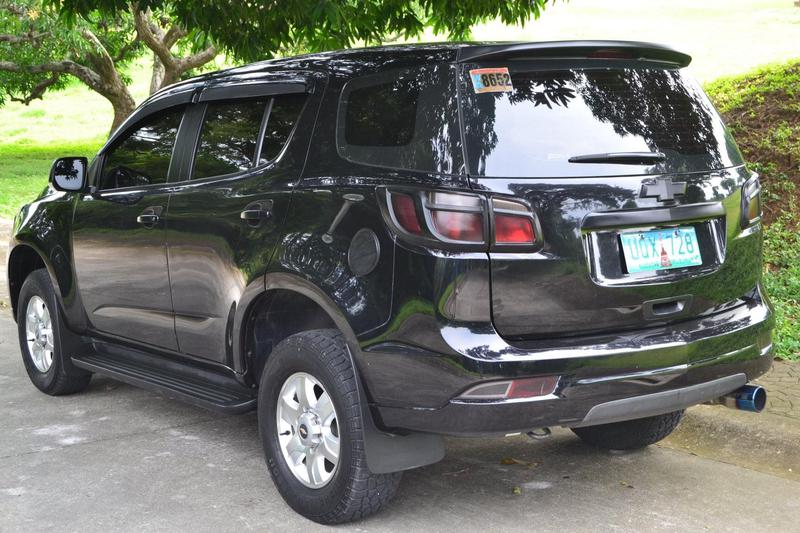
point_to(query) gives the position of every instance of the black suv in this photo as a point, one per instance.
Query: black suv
(378, 247)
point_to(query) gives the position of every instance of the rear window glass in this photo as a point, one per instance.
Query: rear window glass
(404, 119)
(229, 137)
(552, 115)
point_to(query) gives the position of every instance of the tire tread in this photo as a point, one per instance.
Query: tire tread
(630, 434)
(366, 493)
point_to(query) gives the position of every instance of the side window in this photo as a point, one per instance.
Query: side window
(402, 119)
(143, 155)
(229, 137)
(282, 117)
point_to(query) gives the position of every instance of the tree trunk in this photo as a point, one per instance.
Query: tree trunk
(123, 105)
(157, 79)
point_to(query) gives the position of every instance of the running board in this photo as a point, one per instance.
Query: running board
(198, 386)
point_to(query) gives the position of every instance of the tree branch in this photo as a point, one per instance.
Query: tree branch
(172, 36)
(27, 38)
(107, 62)
(142, 22)
(38, 90)
(123, 51)
(85, 74)
(197, 60)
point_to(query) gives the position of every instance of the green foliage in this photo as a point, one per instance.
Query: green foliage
(782, 281)
(734, 92)
(46, 40)
(260, 29)
(762, 108)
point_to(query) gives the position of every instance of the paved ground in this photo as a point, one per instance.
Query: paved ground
(119, 458)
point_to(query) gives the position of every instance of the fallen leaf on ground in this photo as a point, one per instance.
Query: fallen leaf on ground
(511, 461)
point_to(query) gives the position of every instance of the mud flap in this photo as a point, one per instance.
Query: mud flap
(387, 452)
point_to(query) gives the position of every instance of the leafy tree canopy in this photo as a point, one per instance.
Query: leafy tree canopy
(257, 29)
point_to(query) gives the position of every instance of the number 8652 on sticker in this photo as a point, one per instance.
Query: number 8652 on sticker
(491, 80)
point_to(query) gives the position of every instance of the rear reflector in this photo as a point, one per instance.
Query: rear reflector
(532, 387)
(406, 213)
(516, 389)
(509, 229)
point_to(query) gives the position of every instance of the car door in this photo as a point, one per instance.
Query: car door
(118, 234)
(224, 217)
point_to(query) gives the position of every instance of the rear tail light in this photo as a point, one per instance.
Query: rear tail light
(513, 223)
(751, 201)
(464, 219)
(512, 389)
(405, 211)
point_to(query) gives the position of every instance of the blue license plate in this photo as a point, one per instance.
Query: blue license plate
(660, 249)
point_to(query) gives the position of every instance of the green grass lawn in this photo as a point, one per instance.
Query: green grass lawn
(25, 169)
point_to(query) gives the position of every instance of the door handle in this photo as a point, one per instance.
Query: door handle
(150, 216)
(254, 213)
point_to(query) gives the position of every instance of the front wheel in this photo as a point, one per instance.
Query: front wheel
(311, 427)
(630, 434)
(42, 336)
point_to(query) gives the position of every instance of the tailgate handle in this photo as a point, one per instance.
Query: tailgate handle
(667, 307)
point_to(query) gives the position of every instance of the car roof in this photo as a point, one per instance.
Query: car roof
(360, 61)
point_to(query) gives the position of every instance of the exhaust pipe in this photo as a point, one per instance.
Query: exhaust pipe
(748, 398)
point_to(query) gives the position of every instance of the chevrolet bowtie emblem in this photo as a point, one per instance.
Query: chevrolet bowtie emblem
(663, 189)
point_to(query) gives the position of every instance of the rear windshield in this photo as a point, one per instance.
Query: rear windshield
(534, 126)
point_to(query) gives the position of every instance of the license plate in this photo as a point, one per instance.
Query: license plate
(660, 249)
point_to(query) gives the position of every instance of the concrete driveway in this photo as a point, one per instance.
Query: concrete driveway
(116, 458)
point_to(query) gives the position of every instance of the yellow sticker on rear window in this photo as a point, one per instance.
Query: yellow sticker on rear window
(491, 80)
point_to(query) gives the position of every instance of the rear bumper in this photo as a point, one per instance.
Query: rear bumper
(602, 380)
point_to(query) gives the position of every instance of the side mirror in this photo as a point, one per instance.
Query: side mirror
(69, 173)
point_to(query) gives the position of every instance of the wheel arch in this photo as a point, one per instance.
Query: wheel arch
(287, 305)
(385, 452)
(22, 260)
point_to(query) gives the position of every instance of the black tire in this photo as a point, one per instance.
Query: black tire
(631, 434)
(353, 492)
(61, 377)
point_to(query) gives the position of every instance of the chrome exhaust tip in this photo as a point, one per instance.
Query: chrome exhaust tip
(748, 398)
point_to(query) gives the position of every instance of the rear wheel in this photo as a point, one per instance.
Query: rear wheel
(42, 339)
(630, 434)
(311, 427)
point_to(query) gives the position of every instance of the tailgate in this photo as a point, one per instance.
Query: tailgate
(602, 149)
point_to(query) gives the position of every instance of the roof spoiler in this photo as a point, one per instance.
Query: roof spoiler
(575, 50)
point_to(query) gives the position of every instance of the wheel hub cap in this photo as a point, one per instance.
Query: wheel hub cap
(39, 333)
(308, 430)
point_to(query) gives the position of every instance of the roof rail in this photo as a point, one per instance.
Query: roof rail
(574, 49)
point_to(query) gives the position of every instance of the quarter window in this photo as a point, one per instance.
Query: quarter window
(405, 119)
(143, 156)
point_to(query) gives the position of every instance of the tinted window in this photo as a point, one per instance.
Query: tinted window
(229, 136)
(403, 119)
(552, 115)
(282, 117)
(143, 156)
